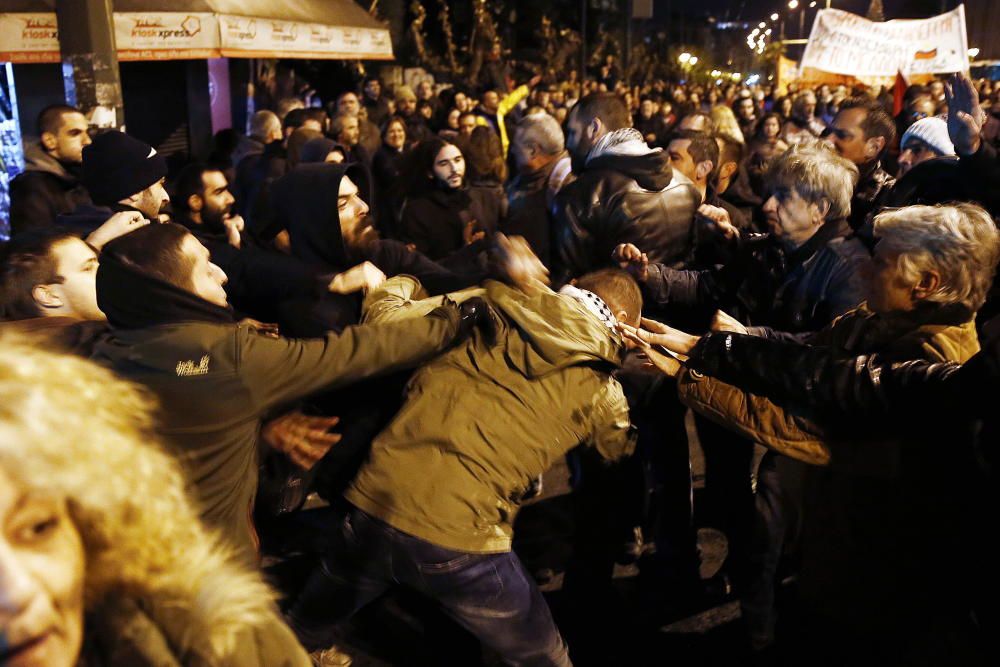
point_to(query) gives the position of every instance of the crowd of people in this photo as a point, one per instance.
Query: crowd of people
(405, 307)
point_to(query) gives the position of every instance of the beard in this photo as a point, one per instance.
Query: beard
(362, 236)
(214, 219)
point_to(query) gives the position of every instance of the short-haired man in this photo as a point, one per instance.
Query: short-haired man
(49, 273)
(861, 131)
(924, 140)
(369, 136)
(696, 155)
(625, 192)
(256, 172)
(122, 174)
(539, 152)
(374, 102)
(50, 185)
(265, 128)
(172, 331)
(513, 410)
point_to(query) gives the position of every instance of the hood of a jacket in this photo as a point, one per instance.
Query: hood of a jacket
(36, 159)
(555, 331)
(626, 151)
(305, 203)
(133, 299)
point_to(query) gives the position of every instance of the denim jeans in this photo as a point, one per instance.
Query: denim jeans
(491, 595)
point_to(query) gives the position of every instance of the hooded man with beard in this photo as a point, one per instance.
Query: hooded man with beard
(348, 245)
(174, 332)
(260, 280)
(625, 192)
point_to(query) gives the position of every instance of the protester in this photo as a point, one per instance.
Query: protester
(639, 196)
(696, 155)
(462, 510)
(173, 331)
(50, 184)
(924, 140)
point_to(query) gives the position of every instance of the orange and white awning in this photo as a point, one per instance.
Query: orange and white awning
(348, 32)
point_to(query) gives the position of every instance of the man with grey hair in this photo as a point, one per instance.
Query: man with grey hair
(539, 151)
(262, 162)
(783, 285)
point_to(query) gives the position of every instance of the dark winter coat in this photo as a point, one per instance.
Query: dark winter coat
(43, 191)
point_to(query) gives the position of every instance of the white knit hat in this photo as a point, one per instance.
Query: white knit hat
(933, 131)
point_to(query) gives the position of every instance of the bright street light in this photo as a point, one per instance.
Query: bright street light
(793, 4)
(684, 57)
(811, 5)
(774, 16)
(693, 61)
(768, 32)
(762, 25)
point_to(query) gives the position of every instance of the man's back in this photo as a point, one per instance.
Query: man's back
(482, 421)
(622, 198)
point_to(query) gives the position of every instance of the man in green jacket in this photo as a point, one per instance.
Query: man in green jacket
(434, 505)
(216, 379)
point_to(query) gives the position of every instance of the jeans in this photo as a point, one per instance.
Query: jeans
(491, 595)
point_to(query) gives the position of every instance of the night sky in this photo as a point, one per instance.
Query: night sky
(756, 10)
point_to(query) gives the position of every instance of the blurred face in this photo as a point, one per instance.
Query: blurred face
(355, 226)
(350, 132)
(889, 292)
(348, 103)
(373, 89)
(848, 138)
(41, 579)
(745, 108)
(921, 107)
(791, 219)
(646, 108)
(406, 107)
(216, 200)
(424, 90)
(151, 201)
(680, 159)
(76, 264)
(395, 135)
(579, 141)
(466, 124)
(449, 167)
(462, 102)
(453, 117)
(771, 128)
(427, 111)
(67, 143)
(913, 152)
(491, 100)
(207, 279)
(937, 89)
(809, 106)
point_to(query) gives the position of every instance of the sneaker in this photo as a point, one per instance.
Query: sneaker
(330, 657)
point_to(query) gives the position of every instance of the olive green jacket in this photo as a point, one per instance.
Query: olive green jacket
(483, 420)
(797, 434)
(216, 382)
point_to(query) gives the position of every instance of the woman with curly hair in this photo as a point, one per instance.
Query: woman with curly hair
(103, 560)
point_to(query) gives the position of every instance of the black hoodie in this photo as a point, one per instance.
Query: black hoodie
(305, 203)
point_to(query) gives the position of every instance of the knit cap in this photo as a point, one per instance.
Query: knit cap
(933, 131)
(405, 93)
(117, 166)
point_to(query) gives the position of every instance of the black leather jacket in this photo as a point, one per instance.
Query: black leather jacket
(874, 186)
(636, 199)
(772, 290)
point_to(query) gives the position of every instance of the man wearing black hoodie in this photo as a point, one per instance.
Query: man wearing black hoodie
(260, 280)
(216, 379)
(349, 246)
(625, 192)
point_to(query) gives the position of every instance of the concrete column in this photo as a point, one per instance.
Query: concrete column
(90, 60)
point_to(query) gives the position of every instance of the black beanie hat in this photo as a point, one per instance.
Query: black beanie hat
(116, 166)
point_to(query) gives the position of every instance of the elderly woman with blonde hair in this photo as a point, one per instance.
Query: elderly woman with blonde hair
(103, 560)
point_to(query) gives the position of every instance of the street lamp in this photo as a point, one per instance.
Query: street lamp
(693, 61)
(762, 25)
(774, 16)
(684, 58)
(793, 4)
